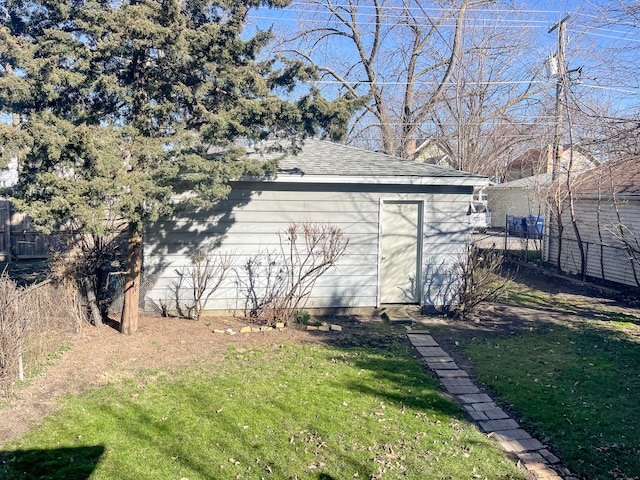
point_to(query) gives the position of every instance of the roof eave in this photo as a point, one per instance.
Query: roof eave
(470, 180)
(607, 196)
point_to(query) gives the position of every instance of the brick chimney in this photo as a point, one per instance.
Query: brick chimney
(411, 149)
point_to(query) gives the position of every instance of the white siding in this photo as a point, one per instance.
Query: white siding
(607, 257)
(248, 223)
(9, 175)
(513, 201)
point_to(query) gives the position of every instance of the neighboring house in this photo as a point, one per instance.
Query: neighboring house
(8, 178)
(522, 197)
(539, 161)
(9, 175)
(607, 206)
(406, 224)
(434, 152)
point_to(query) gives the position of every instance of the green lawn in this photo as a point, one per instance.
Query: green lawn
(286, 411)
(575, 383)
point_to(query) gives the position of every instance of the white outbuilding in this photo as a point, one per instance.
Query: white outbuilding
(406, 224)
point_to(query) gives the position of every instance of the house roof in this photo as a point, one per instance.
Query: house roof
(620, 177)
(542, 180)
(320, 161)
(538, 158)
(534, 157)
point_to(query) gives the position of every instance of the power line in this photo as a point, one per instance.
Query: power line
(356, 83)
(613, 89)
(589, 32)
(489, 122)
(447, 24)
(511, 24)
(427, 9)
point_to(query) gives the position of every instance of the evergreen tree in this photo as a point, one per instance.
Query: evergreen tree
(122, 102)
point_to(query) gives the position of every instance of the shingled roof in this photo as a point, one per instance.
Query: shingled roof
(320, 160)
(620, 177)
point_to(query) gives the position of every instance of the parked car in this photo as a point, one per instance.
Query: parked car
(479, 216)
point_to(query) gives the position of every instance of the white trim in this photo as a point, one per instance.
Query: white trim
(379, 266)
(386, 180)
(421, 233)
(419, 246)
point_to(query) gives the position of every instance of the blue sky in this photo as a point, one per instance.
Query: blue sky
(587, 47)
(537, 16)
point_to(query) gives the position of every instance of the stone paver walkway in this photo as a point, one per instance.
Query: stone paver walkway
(491, 419)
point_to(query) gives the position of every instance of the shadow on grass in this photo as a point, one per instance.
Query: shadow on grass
(596, 311)
(74, 463)
(320, 416)
(576, 387)
(408, 384)
(551, 293)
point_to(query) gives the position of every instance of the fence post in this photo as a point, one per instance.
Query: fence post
(506, 232)
(6, 228)
(586, 259)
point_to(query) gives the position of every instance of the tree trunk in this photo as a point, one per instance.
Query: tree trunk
(89, 286)
(129, 319)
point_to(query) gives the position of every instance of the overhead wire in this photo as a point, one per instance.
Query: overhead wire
(356, 83)
(585, 30)
(428, 9)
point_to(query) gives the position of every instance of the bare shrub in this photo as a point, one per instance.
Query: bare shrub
(205, 275)
(81, 263)
(262, 283)
(479, 280)
(459, 287)
(274, 284)
(308, 251)
(12, 332)
(34, 322)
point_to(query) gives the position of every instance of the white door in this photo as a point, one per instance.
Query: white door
(400, 262)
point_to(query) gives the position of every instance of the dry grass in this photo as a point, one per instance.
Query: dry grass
(34, 323)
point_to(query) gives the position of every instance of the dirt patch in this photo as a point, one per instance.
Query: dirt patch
(98, 356)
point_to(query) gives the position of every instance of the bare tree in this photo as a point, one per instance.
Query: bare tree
(399, 57)
(480, 116)
(600, 108)
(612, 76)
(571, 199)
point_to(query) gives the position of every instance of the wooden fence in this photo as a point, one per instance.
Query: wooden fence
(18, 237)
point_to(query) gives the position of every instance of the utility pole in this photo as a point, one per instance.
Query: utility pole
(555, 211)
(560, 92)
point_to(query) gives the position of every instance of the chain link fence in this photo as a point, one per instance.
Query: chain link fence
(521, 247)
(610, 263)
(616, 264)
(112, 296)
